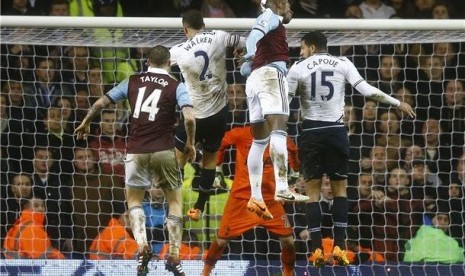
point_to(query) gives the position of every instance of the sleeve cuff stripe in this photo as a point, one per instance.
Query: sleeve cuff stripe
(358, 82)
(259, 30)
(111, 100)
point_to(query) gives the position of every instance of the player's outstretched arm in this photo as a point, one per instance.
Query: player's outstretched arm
(84, 128)
(189, 124)
(372, 92)
(378, 95)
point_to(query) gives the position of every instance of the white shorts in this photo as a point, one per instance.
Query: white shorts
(266, 90)
(159, 169)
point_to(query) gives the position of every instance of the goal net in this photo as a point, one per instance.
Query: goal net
(406, 176)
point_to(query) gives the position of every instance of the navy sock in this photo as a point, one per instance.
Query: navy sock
(313, 213)
(207, 177)
(340, 214)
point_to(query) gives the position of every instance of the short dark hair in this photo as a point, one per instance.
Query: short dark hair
(159, 55)
(55, 103)
(14, 175)
(42, 147)
(40, 59)
(316, 38)
(193, 19)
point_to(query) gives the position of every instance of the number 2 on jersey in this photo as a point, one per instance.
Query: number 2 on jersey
(203, 74)
(323, 82)
(149, 105)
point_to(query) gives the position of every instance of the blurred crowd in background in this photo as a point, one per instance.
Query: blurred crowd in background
(419, 9)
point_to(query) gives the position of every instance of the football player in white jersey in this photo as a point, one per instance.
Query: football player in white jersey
(202, 61)
(320, 80)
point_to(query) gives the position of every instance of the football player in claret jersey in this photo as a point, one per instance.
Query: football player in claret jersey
(202, 61)
(153, 97)
(266, 88)
(320, 80)
(236, 218)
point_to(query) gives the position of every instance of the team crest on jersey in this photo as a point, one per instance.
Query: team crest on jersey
(263, 23)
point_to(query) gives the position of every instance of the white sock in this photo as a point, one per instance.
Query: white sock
(137, 219)
(174, 225)
(255, 167)
(278, 153)
(256, 186)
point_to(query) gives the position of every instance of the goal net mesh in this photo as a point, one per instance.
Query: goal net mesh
(403, 172)
(105, 37)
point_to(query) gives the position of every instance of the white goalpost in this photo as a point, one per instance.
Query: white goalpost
(418, 60)
(353, 31)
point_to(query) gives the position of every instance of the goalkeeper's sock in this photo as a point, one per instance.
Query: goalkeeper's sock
(137, 220)
(215, 251)
(207, 177)
(278, 153)
(288, 260)
(255, 166)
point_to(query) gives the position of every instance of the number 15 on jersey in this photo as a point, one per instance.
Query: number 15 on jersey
(318, 84)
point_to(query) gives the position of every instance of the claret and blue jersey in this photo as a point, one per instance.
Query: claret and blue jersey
(153, 97)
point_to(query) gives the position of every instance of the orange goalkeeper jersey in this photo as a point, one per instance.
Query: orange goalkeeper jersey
(241, 138)
(27, 239)
(113, 243)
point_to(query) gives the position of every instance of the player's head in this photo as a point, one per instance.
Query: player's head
(313, 42)
(192, 20)
(159, 57)
(280, 7)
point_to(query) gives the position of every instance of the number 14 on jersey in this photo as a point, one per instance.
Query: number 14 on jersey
(149, 105)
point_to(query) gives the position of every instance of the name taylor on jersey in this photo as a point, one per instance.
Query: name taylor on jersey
(160, 81)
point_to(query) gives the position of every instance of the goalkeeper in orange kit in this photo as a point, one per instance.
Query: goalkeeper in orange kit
(236, 218)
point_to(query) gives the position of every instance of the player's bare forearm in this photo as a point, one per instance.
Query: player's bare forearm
(96, 108)
(84, 128)
(189, 124)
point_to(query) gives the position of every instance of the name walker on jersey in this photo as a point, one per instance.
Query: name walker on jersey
(196, 41)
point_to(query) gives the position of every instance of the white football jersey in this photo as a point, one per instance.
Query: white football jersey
(320, 81)
(202, 61)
